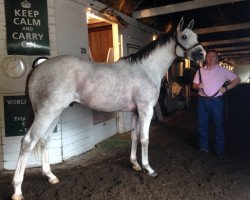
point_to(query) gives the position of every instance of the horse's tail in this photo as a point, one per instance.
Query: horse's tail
(29, 110)
(37, 150)
(30, 114)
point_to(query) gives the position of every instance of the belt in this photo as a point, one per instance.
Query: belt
(204, 97)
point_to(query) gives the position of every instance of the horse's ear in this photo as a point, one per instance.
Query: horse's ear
(191, 24)
(179, 27)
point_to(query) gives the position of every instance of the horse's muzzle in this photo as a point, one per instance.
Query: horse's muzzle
(198, 54)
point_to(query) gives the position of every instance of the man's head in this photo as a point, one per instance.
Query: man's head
(212, 57)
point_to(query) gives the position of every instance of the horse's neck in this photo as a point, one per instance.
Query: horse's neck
(157, 64)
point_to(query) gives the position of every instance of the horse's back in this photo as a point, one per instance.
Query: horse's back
(106, 87)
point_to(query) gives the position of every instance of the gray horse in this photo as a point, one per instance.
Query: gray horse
(131, 84)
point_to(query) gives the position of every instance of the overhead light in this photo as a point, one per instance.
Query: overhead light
(154, 37)
(227, 64)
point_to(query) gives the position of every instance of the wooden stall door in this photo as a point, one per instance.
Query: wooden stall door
(100, 40)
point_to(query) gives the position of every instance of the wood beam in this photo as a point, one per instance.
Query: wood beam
(235, 52)
(178, 7)
(242, 59)
(216, 29)
(238, 60)
(232, 41)
(236, 56)
(232, 48)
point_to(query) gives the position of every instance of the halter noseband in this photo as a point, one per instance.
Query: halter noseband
(186, 51)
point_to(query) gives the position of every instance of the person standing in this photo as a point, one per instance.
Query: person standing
(209, 81)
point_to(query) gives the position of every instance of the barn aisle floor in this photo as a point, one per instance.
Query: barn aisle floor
(184, 173)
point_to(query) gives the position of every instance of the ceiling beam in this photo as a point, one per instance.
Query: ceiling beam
(216, 29)
(232, 48)
(238, 60)
(242, 59)
(231, 41)
(235, 52)
(178, 7)
(243, 56)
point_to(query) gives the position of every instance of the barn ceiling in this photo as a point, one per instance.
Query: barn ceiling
(223, 25)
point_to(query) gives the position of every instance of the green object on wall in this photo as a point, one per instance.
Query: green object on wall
(15, 110)
(15, 115)
(27, 27)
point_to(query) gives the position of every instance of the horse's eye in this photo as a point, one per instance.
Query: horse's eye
(184, 37)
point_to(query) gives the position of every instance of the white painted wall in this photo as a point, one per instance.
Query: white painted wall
(1, 148)
(1, 128)
(11, 147)
(77, 125)
(104, 130)
(71, 27)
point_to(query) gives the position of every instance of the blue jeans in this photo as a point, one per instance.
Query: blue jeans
(211, 109)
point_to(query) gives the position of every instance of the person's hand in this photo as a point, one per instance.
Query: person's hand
(200, 85)
(223, 90)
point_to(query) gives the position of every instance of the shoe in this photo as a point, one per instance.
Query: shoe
(204, 151)
(220, 155)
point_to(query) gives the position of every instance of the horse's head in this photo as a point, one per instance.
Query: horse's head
(187, 45)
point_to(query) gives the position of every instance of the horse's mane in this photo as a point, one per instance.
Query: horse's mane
(145, 51)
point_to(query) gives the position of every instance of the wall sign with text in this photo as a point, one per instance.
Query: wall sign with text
(16, 112)
(27, 27)
(15, 115)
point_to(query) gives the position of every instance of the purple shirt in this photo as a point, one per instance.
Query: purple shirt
(212, 80)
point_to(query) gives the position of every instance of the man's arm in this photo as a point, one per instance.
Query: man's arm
(231, 85)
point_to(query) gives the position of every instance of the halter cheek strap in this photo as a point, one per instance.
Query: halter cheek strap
(186, 51)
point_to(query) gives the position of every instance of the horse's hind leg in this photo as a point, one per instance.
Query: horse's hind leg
(134, 138)
(36, 132)
(45, 155)
(27, 144)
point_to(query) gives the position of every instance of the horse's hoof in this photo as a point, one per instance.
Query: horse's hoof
(153, 174)
(17, 197)
(137, 167)
(54, 181)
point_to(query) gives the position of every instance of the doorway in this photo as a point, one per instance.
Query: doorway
(102, 36)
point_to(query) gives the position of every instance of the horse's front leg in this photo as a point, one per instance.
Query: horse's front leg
(145, 116)
(134, 138)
